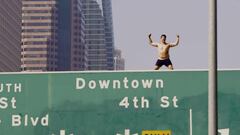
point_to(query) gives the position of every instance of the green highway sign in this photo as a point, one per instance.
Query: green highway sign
(116, 103)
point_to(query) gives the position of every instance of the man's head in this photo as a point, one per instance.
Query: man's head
(163, 38)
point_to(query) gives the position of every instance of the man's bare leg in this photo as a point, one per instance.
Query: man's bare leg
(170, 67)
(156, 68)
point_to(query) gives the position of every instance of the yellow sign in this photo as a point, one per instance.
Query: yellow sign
(156, 132)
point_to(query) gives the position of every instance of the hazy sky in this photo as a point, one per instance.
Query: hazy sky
(134, 19)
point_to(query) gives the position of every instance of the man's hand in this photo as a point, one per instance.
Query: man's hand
(149, 35)
(149, 38)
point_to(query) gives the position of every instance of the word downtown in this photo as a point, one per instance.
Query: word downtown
(123, 83)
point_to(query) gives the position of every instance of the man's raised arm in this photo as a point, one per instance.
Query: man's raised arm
(151, 42)
(176, 43)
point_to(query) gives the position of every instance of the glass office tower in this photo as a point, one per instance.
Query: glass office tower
(72, 53)
(99, 34)
(109, 36)
(95, 35)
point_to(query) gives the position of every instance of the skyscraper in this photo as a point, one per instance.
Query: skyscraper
(39, 35)
(61, 35)
(109, 35)
(78, 49)
(99, 34)
(53, 35)
(10, 35)
(119, 62)
(72, 53)
(95, 35)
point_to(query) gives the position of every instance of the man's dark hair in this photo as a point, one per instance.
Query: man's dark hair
(163, 35)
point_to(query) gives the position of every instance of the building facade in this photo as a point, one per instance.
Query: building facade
(53, 35)
(39, 35)
(10, 35)
(99, 34)
(78, 49)
(109, 35)
(72, 53)
(67, 35)
(119, 62)
(95, 35)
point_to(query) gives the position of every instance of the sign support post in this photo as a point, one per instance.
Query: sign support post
(212, 74)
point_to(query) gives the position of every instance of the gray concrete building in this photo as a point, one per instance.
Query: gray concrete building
(10, 35)
(39, 35)
(119, 62)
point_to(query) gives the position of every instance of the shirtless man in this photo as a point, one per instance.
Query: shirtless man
(163, 50)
